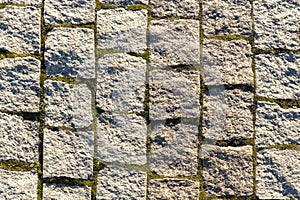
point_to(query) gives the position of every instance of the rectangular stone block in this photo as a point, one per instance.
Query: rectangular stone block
(27, 2)
(64, 192)
(124, 2)
(164, 8)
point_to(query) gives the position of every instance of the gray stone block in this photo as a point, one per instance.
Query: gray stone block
(70, 52)
(124, 2)
(19, 84)
(163, 8)
(64, 192)
(27, 2)
(68, 154)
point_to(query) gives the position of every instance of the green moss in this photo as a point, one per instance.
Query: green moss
(18, 166)
(65, 79)
(105, 6)
(284, 103)
(68, 181)
(102, 52)
(137, 7)
(228, 37)
(6, 54)
(286, 146)
(235, 142)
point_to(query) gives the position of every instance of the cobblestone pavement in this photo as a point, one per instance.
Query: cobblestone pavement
(158, 99)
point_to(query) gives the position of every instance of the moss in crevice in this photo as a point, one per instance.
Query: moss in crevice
(102, 52)
(284, 103)
(228, 37)
(106, 6)
(295, 147)
(13, 165)
(68, 181)
(65, 79)
(235, 142)
(6, 54)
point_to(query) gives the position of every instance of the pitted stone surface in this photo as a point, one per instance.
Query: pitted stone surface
(278, 76)
(18, 185)
(19, 84)
(174, 94)
(174, 149)
(20, 29)
(174, 42)
(27, 2)
(68, 105)
(227, 170)
(277, 24)
(124, 2)
(227, 17)
(120, 183)
(121, 83)
(227, 62)
(19, 139)
(163, 8)
(70, 52)
(122, 138)
(120, 29)
(68, 154)
(172, 189)
(227, 114)
(276, 125)
(278, 174)
(64, 192)
(71, 12)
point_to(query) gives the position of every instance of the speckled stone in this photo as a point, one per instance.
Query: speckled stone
(124, 2)
(163, 8)
(27, 2)
(64, 192)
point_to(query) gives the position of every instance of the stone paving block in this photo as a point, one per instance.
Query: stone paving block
(227, 114)
(174, 149)
(163, 8)
(122, 138)
(64, 192)
(120, 183)
(276, 24)
(278, 76)
(19, 139)
(227, 17)
(174, 43)
(174, 94)
(68, 154)
(120, 29)
(275, 125)
(124, 2)
(70, 52)
(278, 174)
(19, 84)
(68, 105)
(20, 29)
(121, 83)
(172, 189)
(27, 2)
(227, 170)
(71, 12)
(18, 185)
(227, 62)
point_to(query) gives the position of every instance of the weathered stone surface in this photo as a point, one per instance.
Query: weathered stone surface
(70, 52)
(19, 84)
(120, 29)
(227, 62)
(163, 8)
(174, 42)
(71, 12)
(278, 76)
(68, 154)
(20, 29)
(19, 139)
(227, 17)
(172, 189)
(68, 105)
(278, 174)
(64, 192)
(120, 183)
(174, 149)
(124, 2)
(277, 24)
(122, 138)
(27, 2)
(121, 83)
(227, 170)
(174, 94)
(18, 185)
(275, 125)
(227, 114)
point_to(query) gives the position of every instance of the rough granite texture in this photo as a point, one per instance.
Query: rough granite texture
(120, 29)
(18, 185)
(174, 94)
(277, 24)
(121, 83)
(275, 125)
(120, 183)
(68, 154)
(124, 2)
(20, 29)
(27, 2)
(163, 8)
(64, 192)
(227, 170)
(19, 84)
(227, 62)
(71, 12)
(278, 174)
(278, 76)
(70, 52)
(68, 105)
(122, 138)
